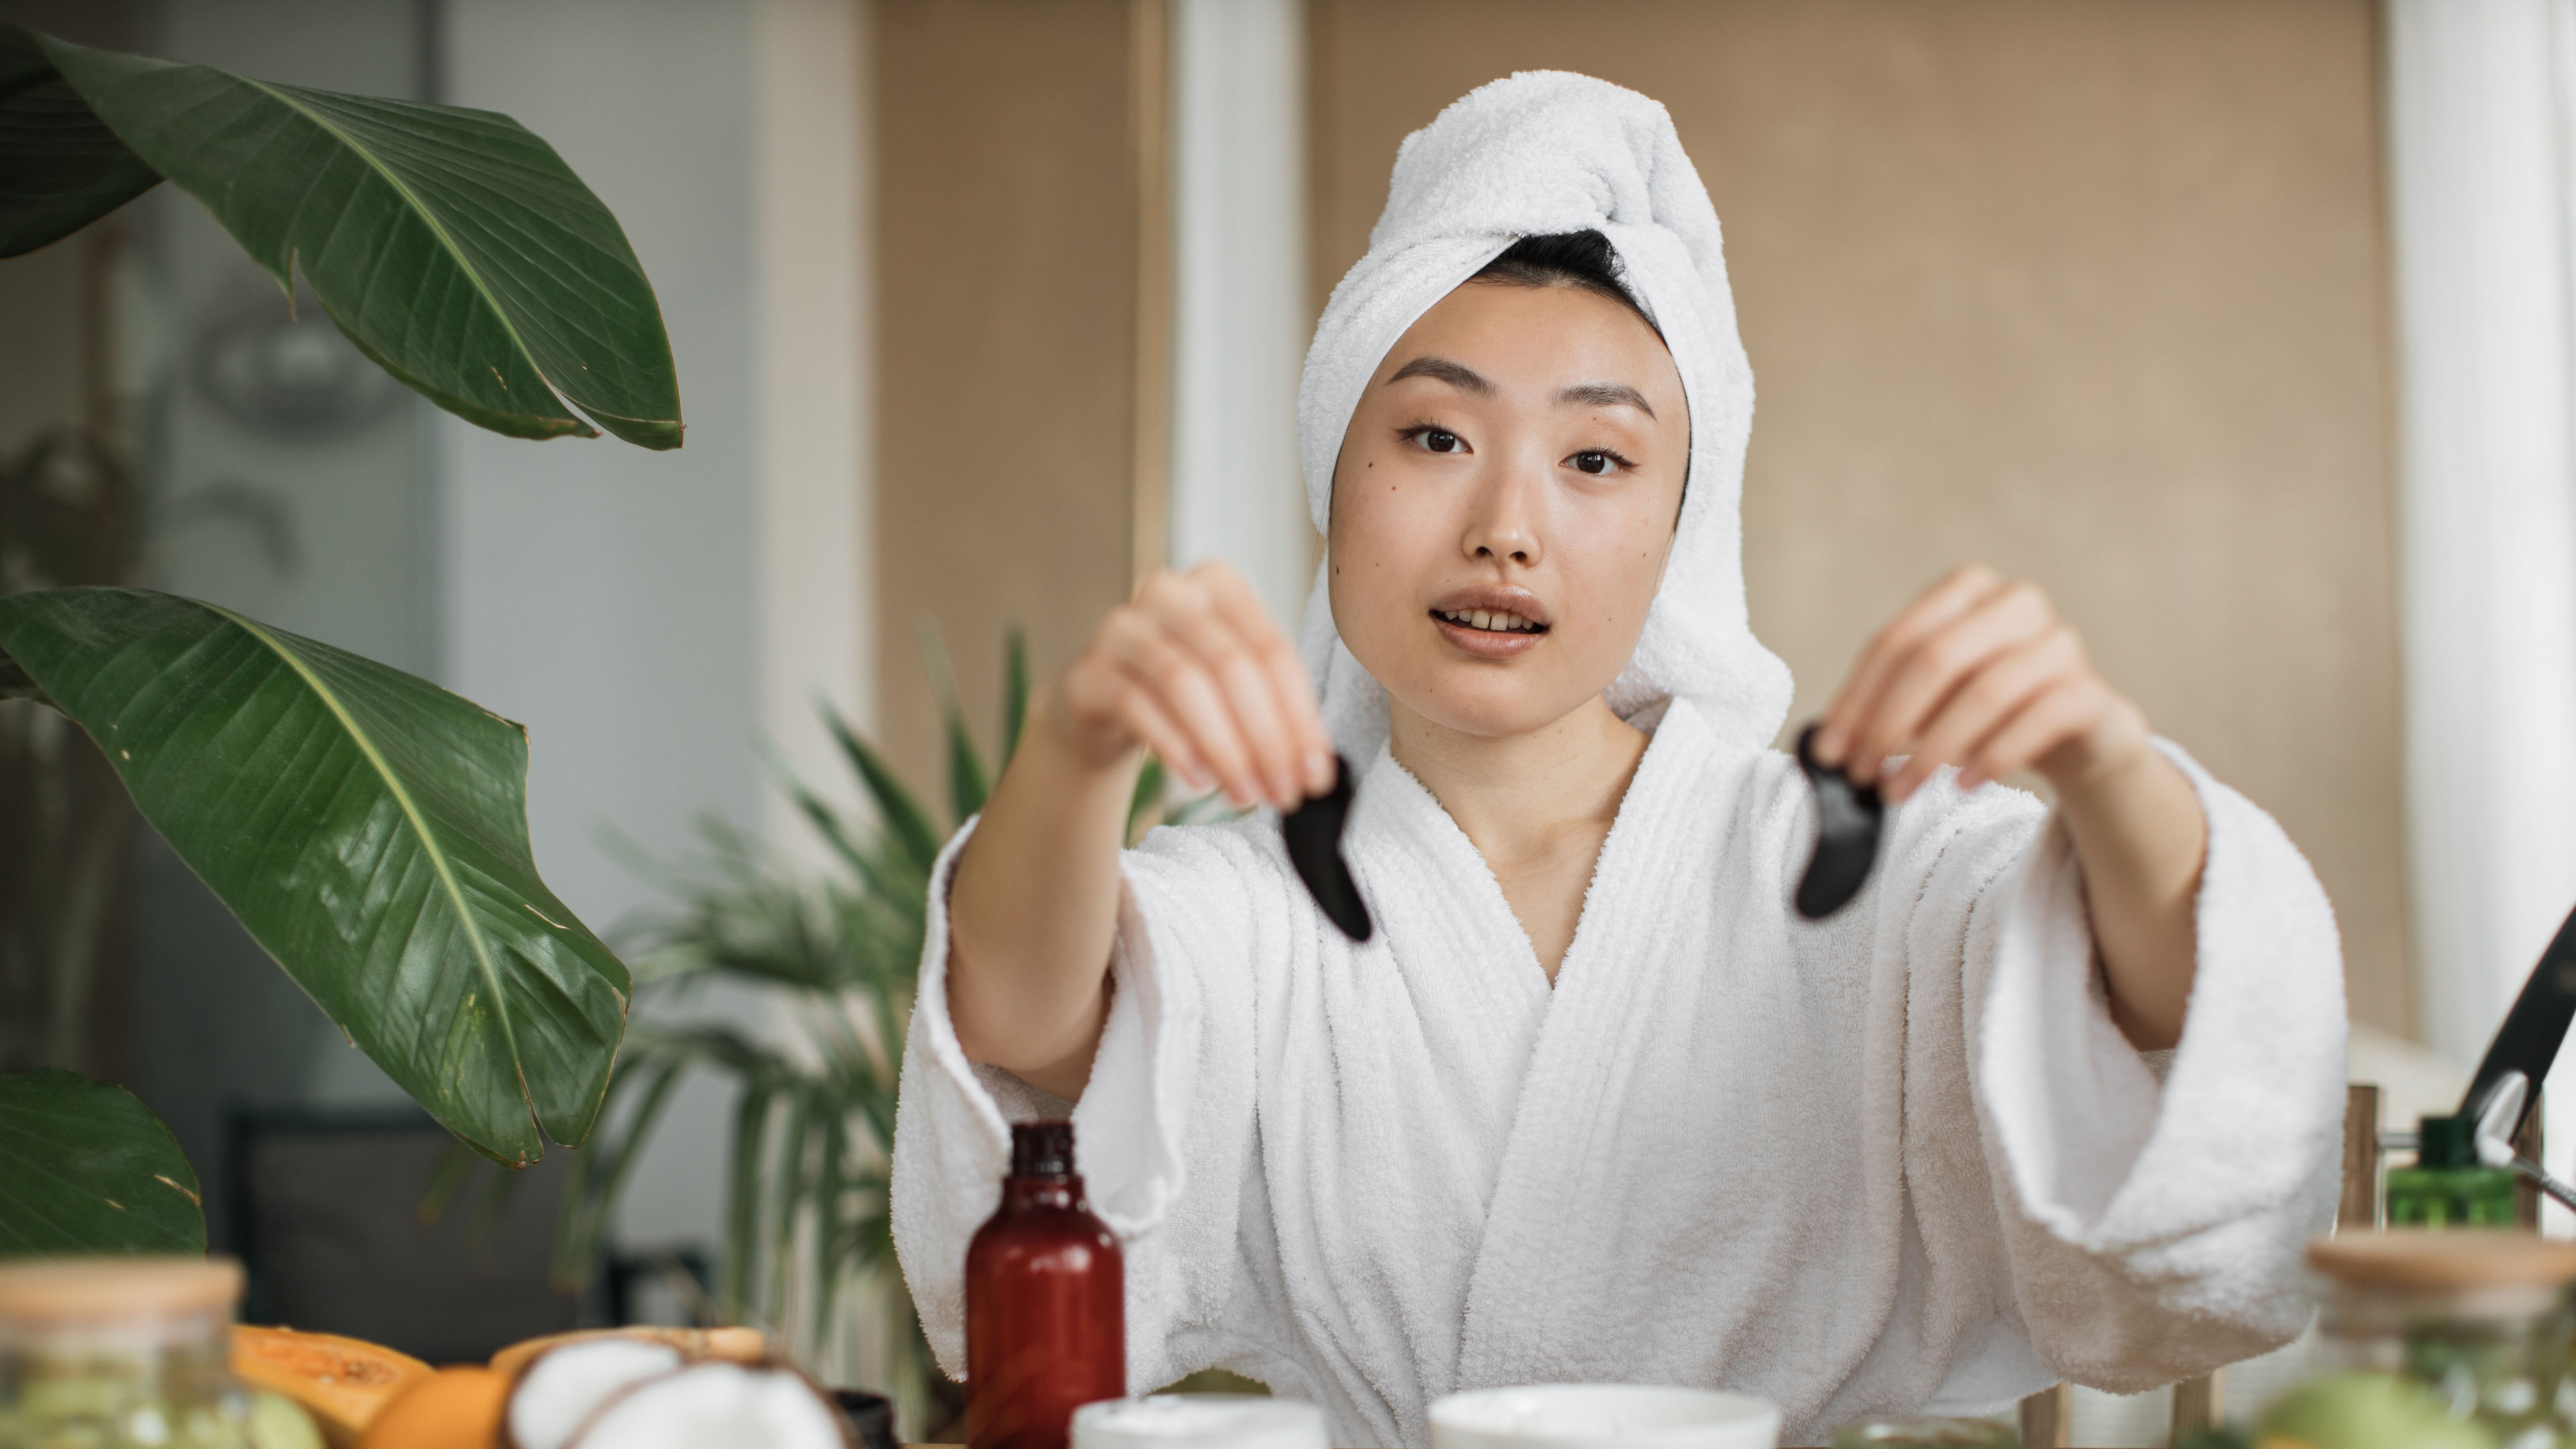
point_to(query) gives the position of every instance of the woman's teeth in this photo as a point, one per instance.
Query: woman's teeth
(1490, 621)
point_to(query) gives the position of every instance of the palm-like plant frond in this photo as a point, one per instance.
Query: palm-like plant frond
(813, 1126)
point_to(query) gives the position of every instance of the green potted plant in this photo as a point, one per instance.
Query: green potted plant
(367, 827)
(813, 1128)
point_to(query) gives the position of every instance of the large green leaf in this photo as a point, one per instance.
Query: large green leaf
(369, 828)
(61, 168)
(86, 1168)
(455, 248)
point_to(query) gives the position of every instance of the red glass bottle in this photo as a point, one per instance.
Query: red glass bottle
(1046, 1302)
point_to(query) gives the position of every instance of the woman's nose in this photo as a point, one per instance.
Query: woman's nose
(1504, 524)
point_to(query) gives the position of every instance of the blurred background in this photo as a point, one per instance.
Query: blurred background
(2243, 326)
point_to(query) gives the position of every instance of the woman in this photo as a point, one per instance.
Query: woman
(2056, 1096)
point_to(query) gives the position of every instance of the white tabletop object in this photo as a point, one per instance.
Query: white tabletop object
(1599, 1416)
(1199, 1421)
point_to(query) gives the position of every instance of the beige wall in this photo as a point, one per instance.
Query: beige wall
(2092, 292)
(1006, 315)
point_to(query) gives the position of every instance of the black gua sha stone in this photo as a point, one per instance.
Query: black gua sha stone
(1847, 819)
(1314, 834)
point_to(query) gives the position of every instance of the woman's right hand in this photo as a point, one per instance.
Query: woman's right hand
(1190, 668)
(1193, 669)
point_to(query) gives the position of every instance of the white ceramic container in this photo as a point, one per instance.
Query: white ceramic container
(1601, 1416)
(1198, 1421)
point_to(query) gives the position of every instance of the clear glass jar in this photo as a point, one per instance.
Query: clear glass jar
(2484, 1320)
(120, 1353)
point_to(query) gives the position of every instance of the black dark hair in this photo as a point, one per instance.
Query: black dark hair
(1581, 259)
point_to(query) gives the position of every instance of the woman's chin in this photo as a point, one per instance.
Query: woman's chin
(1488, 703)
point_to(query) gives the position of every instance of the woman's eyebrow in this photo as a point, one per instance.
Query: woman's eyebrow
(1605, 395)
(1456, 374)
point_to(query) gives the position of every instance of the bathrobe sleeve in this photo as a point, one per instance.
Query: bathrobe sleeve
(2154, 1211)
(1172, 1082)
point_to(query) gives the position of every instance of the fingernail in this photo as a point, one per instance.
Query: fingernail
(1319, 771)
(1828, 747)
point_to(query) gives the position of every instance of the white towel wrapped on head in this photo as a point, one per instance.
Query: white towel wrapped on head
(1541, 154)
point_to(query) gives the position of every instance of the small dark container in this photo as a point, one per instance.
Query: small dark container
(1314, 834)
(871, 1417)
(1847, 824)
(1046, 1302)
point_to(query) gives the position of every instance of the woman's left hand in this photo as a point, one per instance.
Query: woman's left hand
(1979, 672)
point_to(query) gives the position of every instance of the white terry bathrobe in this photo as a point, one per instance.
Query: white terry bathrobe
(1895, 1160)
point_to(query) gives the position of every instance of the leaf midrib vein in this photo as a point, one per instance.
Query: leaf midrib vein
(411, 812)
(428, 217)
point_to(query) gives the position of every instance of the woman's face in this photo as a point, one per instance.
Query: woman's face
(1504, 502)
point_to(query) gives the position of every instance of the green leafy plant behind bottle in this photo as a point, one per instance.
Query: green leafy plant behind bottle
(813, 1123)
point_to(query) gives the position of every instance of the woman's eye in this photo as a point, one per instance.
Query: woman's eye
(1441, 440)
(1595, 462)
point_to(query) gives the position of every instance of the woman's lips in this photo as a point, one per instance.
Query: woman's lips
(1488, 643)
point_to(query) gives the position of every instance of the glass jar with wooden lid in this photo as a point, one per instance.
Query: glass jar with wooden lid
(106, 1353)
(2484, 1319)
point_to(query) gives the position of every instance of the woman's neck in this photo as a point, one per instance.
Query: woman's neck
(1517, 797)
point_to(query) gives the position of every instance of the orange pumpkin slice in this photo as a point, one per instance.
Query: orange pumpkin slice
(342, 1382)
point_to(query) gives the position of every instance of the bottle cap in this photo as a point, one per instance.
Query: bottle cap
(1041, 1149)
(107, 1290)
(2447, 1142)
